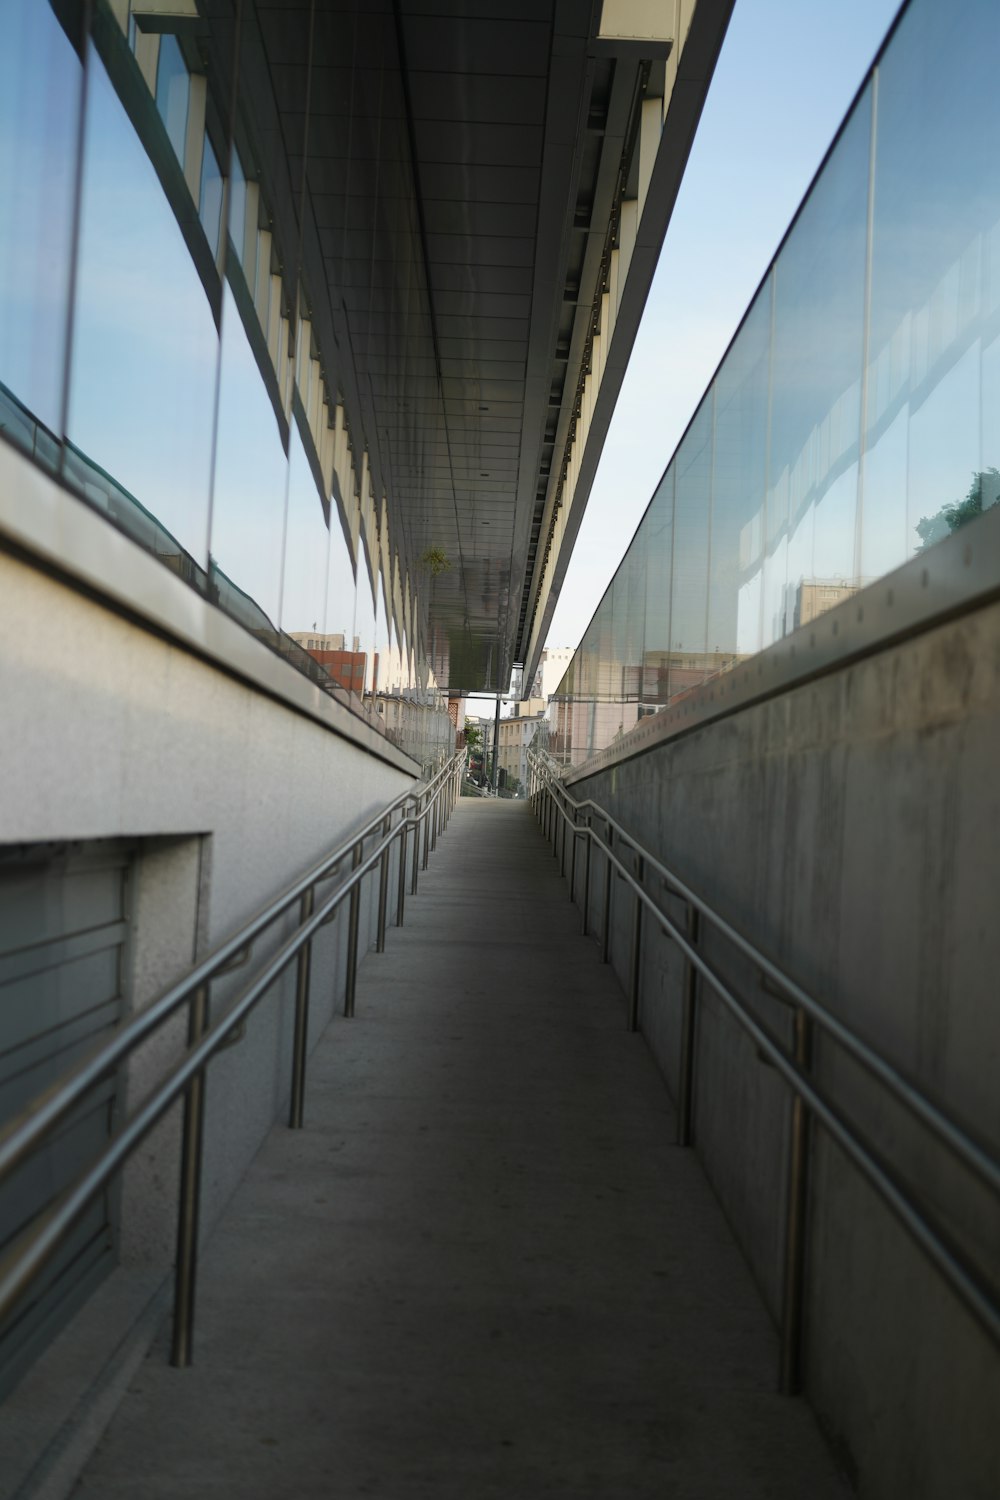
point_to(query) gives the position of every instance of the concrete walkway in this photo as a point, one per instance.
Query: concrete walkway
(483, 1270)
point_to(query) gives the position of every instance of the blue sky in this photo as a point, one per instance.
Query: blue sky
(785, 78)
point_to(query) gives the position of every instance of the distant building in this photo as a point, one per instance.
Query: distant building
(552, 666)
(456, 713)
(516, 735)
(348, 668)
(815, 596)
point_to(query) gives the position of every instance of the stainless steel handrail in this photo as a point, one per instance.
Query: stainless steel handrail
(972, 1154)
(424, 812)
(553, 803)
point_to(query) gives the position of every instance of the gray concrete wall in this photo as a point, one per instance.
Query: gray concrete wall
(851, 828)
(109, 730)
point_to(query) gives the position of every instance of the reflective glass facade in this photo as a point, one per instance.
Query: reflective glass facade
(157, 348)
(854, 420)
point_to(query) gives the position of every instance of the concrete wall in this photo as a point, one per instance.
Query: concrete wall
(107, 729)
(851, 828)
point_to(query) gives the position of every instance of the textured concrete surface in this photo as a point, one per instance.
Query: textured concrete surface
(483, 1270)
(851, 826)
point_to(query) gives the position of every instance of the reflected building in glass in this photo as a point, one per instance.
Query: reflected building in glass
(853, 419)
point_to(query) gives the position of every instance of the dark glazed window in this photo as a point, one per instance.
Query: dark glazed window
(173, 88)
(210, 197)
(40, 80)
(250, 477)
(144, 342)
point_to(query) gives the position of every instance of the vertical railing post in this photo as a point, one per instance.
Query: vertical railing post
(685, 1086)
(401, 883)
(301, 1038)
(383, 889)
(434, 819)
(790, 1374)
(572, 868)
(193, 1131)
(427, 811)
(606, 928)
(586, 878)
(564, 823)
(633, 996)
(416, 846)
(354, 904)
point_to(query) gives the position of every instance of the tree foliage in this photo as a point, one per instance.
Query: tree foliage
(983, 492)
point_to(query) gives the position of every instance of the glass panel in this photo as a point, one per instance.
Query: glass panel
(210, 200)
(248, 505)
(40, 78)
(237, 204)
(635, 623)
(657, 534)
(307, 548)
(931, 429)
(819, 290)
(382, 666)
(740, 458)
(145, 347)
(364, 630)
(173, 88)
(341, 589)
(773, 509)
(692, 507)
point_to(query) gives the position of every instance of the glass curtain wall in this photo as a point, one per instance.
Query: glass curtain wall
(855, 418)
(156, 344)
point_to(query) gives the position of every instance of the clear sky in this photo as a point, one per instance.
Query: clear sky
(786, 75)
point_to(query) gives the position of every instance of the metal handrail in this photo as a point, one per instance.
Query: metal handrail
(971, 1153)
(550, 799)
(425, 812)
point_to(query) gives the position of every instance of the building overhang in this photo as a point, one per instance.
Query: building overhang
(471, 209)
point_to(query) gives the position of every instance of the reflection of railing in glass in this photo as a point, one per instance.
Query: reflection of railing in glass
(19, 426)
(104, 493)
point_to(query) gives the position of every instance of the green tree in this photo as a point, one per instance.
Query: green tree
(473, 736)
(983, 492)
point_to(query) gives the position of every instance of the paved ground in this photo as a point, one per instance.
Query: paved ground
(483, 1270)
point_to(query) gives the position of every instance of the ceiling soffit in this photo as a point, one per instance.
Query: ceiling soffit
(463, 174)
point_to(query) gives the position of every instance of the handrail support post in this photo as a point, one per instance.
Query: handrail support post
(586, 880)
(636, 974)
(790, 1373)
(189, 1189)
(401, 873)
(354, 903)
(383, 890)
(606, 928)
(301, 1040)
(685, 1086)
